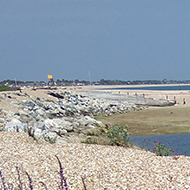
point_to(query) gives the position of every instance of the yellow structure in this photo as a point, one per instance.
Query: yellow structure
(50, 77)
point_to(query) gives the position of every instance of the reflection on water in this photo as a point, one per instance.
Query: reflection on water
(179, 142)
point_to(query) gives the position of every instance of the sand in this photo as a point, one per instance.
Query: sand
(182, 97)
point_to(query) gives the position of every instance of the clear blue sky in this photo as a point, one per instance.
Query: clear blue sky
(110, 39)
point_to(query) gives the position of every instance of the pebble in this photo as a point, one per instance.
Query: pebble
(102, 167)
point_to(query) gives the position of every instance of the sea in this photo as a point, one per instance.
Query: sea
(157, 87)
(179, 142)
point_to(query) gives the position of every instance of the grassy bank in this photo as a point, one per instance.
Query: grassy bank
(7, 88)
(153, 121)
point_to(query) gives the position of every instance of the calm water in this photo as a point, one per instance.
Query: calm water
(178, 87)
(179, 142)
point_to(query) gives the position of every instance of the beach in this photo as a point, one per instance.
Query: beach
(102, 167)
(182, 97)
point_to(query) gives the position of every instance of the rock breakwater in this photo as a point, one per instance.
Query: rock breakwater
(59, 115)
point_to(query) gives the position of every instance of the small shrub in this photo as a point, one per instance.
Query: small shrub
(30, 130)
(119, 136)
(90, 141)
(161, 149)
(100, 140)
(49, 139)
(175, 156)
(25, 129)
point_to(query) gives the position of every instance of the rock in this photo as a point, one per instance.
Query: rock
(84, 121)
(58, 131)
(69, 115)
(14, 125)
(75, 124)
(25, 117)
(9, 115)
(57, 95)
(40, 112)
(41, 126)
(1, 127)
(1, 124)
(49, 123)
(50, 137)
(2, 121)
(30, 105)
(3, 96)
(64, 125)
(38, 132)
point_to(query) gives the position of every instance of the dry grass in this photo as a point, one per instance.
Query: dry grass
(162, 120)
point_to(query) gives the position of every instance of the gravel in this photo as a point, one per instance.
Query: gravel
(102, 167)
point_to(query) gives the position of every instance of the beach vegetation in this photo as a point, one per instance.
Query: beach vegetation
(119, 136)
(4, 88)
(49, 139)
(145, 145)
(100, 140)
(30, 130)
(161, 149)
(7, 88)
(152, 121)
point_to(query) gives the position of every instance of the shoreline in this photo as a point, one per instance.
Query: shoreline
(180, 110)
(130, 86)
(182, 97)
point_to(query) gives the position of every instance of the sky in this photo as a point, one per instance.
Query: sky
(94, 39)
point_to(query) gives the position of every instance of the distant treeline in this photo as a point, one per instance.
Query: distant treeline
(77, 82)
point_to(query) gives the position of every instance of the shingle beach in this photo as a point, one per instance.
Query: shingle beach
(102, 167)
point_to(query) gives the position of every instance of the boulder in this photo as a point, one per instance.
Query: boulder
(24, 116)
(1, 124)
(14, 125)
(2, 120)
(40, 112)
(30, 105)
